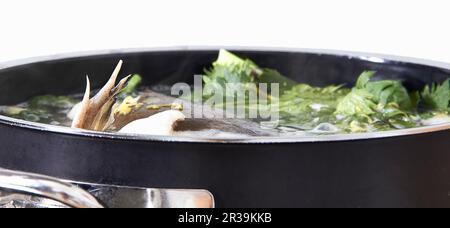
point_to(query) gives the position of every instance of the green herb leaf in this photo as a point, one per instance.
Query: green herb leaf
(229, 68)
(272, 76)
(436, 97)
(381, 105)
(385, 91)
(364, 78)
(357, 102)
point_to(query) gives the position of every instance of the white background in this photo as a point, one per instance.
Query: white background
(417, 29)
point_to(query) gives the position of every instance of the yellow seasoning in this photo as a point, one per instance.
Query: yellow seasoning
(173, 106)
(127, 106)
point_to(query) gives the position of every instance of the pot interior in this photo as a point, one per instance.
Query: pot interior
(65, 76)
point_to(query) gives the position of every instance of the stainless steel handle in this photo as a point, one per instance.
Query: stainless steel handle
(85, 195)
(47, 187)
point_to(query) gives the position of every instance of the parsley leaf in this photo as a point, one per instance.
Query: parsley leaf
(436, 97)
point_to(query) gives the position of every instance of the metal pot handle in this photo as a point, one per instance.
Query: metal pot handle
(47, 187)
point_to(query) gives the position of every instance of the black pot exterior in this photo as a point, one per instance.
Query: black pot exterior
(410, 171)
(405, 171)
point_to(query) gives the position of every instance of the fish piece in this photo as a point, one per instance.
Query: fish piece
(95, 113)
(162, 123)
(149, 98)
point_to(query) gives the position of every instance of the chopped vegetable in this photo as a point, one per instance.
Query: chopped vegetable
(230, 68)
(357, 102)
(52, 102)
(385, 91)
(383, 104)
(305, 106)
(436, 97)
(132, 85)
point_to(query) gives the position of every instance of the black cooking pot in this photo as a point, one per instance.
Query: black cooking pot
(406, 168)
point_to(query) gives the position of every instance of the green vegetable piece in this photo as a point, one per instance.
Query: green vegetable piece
(272, 76)
(436, 97)
(357, 102)
(228, 58)
(364, 78)
(389, 91)
(50, 101)
(35, 115)
(386, 91)
(229, 68)
(132, 85)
